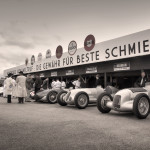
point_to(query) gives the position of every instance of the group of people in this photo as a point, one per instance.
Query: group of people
(21, 87)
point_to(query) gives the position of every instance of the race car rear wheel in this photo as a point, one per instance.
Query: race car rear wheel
(141, 106)
(52, 97)
(81, 100)
(101, 102)
(60, 98)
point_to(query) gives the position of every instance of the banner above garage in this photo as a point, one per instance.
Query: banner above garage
(133, 45)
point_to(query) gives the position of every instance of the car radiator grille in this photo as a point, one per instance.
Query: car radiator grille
(116, 101)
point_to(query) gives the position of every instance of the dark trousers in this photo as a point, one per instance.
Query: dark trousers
(9, 99)
(21, 99)
(36, 90)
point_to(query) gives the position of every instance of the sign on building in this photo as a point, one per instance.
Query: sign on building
(122, 66)
(91, 70)
(72, 47)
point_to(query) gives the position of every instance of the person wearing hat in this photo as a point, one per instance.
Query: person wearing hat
(9, 87)
(21, 85)
(141, 80)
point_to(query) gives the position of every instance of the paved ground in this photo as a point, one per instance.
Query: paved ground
(41, 126)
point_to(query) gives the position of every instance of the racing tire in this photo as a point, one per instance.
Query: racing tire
(52, 97)
(141, 106)
(101, 102)
(81, 100)
(60, 98)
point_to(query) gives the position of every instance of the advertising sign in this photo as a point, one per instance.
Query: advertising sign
(89, 42)
(122, 66)
(32, 59)
(91, 70)
(70, 72)
(54, 74)
(134, 45)
(59, 51)
(40, 57)
(72, 48)
(48, 53)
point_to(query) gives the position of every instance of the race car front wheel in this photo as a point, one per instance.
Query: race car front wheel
(81, 100)
(101, 102)
(60, 98)
(141, 106)
(52, 97)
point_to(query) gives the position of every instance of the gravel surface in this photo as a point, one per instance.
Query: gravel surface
(43, 126)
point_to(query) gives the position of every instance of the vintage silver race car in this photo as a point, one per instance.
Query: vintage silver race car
(82, 97)
(136, 100)
(48, 95)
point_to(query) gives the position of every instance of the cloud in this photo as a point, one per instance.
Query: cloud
(21, 44)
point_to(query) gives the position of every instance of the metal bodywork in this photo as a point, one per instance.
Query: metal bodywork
(93, 94)
(42, 94)
(123, 100)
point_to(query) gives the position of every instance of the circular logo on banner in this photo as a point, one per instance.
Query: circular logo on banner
(59, 51)
(26, 61)
(72, 48)
(89, 42)
(32, 59)
(48, 53)
(39, 56)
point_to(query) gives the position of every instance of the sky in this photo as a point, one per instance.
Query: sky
(28, 27)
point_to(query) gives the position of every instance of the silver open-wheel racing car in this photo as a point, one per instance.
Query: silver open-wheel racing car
(84, 96)
(49, 95)
(136, 100)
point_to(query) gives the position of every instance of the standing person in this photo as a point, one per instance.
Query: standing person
(77, 83)
(53, 84)
(142, 80)
(98, 82)
(45, 84)
(29, 86)
(9, 87)
(57, 84)
(14, 91)
(21, 87)
(63, 84)
(38, 83)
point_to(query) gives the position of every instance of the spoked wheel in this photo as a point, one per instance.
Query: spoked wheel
(52, 97)
(60, 97)
(141, 106)
(81, 100)
(101, 102)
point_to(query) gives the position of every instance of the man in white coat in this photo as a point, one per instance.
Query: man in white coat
(21, 85)
(9, 87)
(77, 83)
(57, 84)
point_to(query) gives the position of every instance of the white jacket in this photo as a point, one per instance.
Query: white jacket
(63, 85)
(21, 86)
(8, 85)
(57, 85)
(77, 84)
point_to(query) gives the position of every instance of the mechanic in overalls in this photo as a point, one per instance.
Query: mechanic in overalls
(77, 83)
(57, 84)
